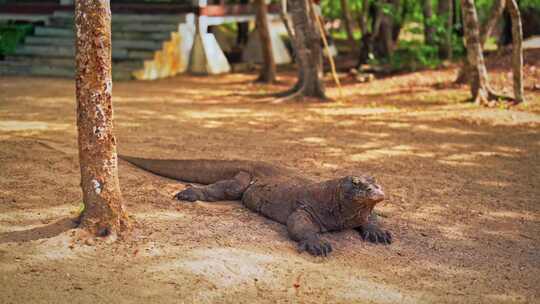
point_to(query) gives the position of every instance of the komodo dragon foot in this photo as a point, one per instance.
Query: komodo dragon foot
(190, 194)
(315, 246)
(374, 234)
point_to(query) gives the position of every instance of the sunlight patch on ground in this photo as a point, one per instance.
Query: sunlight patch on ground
(161, 215)
(224, 267)
(60, 247)
(399, 150)
(212, 124)
(314, 140)
(513, 215)
(147, 112)
(19, 125)
(474, 155)
(43, 100)
(446, 130)
(127, 124)
(502, 117)
(346, 123)
(353, 111)
(358, 289)
(454, 232)
(333, 151)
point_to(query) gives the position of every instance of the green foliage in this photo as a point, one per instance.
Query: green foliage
(11, 35)
(412, 56)
(529, 4)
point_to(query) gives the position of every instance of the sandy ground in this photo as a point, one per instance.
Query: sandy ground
(462, 184)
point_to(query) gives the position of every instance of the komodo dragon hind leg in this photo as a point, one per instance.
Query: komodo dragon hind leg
(230, 189)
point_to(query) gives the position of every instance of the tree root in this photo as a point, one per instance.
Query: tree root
(494, 98)
(299, 94)
(297, 87)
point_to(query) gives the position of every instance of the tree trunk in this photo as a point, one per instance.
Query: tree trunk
(388, 34)
(494, 16)
(104, 212)
(348, 23)
(384, 42)
(242, 33)
(479, 78)
(429, 29)
(268, 71)
(446, 11)
(517, 49)
(308, 52)
(506, 33)
(368, 33)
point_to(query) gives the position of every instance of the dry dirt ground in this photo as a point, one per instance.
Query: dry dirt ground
(462, 185)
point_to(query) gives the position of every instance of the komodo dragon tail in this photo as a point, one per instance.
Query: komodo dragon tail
(203, 171)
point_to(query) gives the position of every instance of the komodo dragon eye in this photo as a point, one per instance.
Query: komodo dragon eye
(359, 182)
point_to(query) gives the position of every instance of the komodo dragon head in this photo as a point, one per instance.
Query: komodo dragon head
(361, 190)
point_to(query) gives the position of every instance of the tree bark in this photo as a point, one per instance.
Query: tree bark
(446, 11)
(348, 23)
(479, 78)
(308, 53)
(242, 33)
(388, 33)
(517, 49)
(429, 29)
(368, 32)
(494, 16)
(104, 211)
(268, 71)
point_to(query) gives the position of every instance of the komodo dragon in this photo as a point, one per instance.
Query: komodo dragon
(306, 206)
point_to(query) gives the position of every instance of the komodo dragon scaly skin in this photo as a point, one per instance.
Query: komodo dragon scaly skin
(306, 206)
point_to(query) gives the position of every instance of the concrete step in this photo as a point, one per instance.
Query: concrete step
(69, 51)
(129, 18)
(25, 69)
(127, 65)
(131, 35)
(149, 45)
(133, 25)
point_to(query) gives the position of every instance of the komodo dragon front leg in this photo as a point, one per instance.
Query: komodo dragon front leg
(302, 228)
(230, 189)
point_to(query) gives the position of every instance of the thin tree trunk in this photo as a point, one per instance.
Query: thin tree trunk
(384, 42)
(363, 15)
(387, 36)
(104, 212)
(479, 78)
(348, 23)
(517, 49)
(268, 71)
(308, 53)
(429, 29)
(368, 33)
(446, 11)
(494, 16)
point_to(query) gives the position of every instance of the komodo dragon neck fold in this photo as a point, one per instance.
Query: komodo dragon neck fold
(306, 206)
